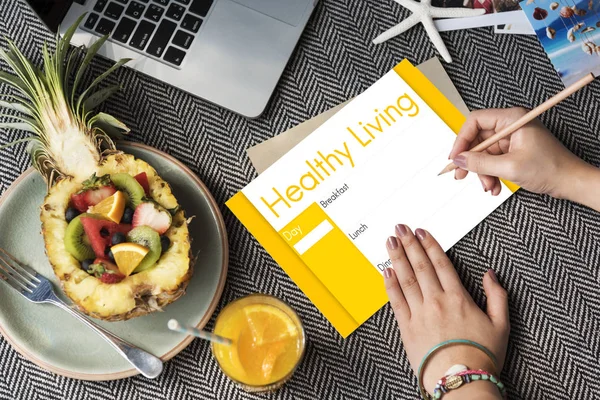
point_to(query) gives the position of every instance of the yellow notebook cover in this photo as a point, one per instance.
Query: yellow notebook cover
(322, 210)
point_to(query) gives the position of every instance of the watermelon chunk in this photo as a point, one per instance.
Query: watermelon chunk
(100, 232)
(142, 179)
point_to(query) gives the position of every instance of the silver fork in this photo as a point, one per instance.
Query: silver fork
(37, 289)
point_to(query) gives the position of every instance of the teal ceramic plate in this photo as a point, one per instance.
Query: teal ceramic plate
(56, 341)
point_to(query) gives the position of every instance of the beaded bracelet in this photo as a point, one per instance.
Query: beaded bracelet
(437, 347)
(455, 381)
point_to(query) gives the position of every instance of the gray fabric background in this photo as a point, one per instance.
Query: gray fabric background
(545, 251)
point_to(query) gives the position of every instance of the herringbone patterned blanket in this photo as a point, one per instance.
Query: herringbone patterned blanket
(545, 251)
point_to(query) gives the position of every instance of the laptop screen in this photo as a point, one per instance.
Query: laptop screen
(51, 12)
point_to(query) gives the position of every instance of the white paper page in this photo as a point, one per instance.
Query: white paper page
(379, 180)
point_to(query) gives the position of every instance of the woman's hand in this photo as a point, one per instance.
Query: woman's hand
(531, 157)
(431, 306)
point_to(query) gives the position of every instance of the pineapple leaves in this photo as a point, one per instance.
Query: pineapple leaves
(99, 79)
(42, 161)
(97, 98)
(16, 82)
(62, 47)
(91, 52)
(23, 69)
(71, 64)
(65, 138)
(22, 126)
(23, 109)
(109, 125)
(27, 139)
(21, 118)
(23, 123)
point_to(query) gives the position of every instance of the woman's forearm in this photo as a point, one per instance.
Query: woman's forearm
(582, 185)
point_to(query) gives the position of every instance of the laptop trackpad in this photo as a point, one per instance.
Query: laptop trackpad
(288, 11)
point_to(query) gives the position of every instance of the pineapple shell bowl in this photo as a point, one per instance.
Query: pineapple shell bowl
(54, 340)
(138, 294)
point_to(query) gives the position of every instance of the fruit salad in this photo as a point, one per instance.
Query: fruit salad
(118, 241)
(115, 227)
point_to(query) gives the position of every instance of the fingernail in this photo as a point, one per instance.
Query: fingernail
(401, 230)
(392, 243)
(387, 273)
(493, 275)
(460, 161)
(484, 188)
(420, 234)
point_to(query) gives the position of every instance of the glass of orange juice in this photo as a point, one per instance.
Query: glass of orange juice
(268, 342)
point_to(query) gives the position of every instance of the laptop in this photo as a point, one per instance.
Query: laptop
(229, 52)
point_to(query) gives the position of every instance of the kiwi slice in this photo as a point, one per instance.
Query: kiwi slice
(127, 184)
(76, 242)
(149, 238)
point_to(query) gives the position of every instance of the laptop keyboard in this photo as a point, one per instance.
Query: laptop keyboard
(161, 29)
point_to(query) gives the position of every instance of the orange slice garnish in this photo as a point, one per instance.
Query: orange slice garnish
(128, 256)
(112, 207)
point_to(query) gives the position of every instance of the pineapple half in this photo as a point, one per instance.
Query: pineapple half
(69, 143)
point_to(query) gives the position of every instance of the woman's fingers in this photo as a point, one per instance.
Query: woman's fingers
(487, 182)
(419, 262)
(466, 136)
(479, 124)
(480, 121)
(460, 173)
(397, 300)
(444, 269)
(497, 300)
(404, 273)
(502, 166)
(497, 188)
(494, 149)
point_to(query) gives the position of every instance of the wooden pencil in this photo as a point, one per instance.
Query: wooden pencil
(551, 102)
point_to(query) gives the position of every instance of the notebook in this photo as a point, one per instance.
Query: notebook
(325, 209)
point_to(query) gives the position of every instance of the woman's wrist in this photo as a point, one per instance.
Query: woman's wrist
(581, 184)
(439, 363)
(480, 390)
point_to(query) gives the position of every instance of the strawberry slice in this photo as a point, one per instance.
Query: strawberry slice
(152, 215)
(142, 179)
(111, 278)
(85, 199)
(107, 265)
(95, 189)
(78, 202)
(100, 232)
(106, 271)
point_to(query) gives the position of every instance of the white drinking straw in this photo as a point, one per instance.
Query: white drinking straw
(174, 325)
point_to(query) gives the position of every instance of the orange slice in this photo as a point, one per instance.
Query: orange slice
(128, 256)
(112, 207)
(268, 364)
(269, 324)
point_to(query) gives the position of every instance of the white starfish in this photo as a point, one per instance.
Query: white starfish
(424, 13)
